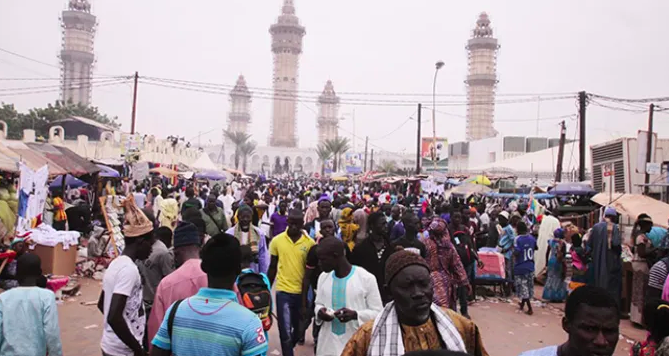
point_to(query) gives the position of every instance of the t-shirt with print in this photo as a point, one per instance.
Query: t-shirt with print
(122, 277)
(292, 260)
(523, 249)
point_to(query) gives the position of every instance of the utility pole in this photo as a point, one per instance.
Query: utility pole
(371, 164)
(134, 105)
(649, 147)
(366, 141)
(582, 102)
(418, 143)
(558, 170)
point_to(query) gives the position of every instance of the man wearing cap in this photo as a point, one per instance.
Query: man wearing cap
(121, 297)
(605, 244)
(412, 322)
(185, 281)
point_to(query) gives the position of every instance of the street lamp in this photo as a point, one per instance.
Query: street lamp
(433, 152)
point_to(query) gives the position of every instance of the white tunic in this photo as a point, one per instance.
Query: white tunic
(359, 292)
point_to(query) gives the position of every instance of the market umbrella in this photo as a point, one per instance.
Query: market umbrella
(479, 179)
(108, 172)
(572, 189)
(340, 179)
(164, 172)
(211, 175)
(70, 181)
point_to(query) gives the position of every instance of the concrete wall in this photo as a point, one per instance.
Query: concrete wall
(110, 147)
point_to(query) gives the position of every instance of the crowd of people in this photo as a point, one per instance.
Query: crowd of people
(373, 269)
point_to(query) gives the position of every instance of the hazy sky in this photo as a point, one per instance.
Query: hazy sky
(611, 47)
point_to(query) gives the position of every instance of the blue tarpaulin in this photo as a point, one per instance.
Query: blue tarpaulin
(70, 181)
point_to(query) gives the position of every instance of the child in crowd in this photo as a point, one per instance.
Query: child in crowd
(248, 257)
(580, 262)
(656, 318)
(523, 270)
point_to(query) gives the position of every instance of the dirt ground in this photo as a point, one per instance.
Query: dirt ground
(506, 331)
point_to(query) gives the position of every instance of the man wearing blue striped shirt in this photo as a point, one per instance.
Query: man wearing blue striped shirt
(212, 322)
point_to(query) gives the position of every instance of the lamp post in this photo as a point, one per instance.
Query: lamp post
(433, 152)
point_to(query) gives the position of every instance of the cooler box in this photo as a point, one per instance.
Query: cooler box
(493, 266)
(56, 260)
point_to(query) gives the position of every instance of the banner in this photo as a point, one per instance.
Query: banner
(353, 163)
(428, 151)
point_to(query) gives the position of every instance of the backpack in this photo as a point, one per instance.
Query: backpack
(256, 296)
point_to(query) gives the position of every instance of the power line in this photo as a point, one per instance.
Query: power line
(83, 86)
(53, 78)
(84, 81)
(349, 101)
(28, 58)
(623, 100)
(230, 86)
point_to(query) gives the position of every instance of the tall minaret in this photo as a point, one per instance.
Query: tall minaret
(287, 36)
(240, 107)
(328, 114)
(76, 55)
(481, 81)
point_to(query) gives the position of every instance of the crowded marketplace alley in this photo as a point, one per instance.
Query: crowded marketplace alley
(334, 178)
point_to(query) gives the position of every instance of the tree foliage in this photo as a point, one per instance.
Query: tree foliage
(238, 139)
(40, 119)
(337, 146)
(247, 149)
(324, 154)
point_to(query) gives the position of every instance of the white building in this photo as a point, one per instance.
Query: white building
(240, 107)
(76, 55)
(481, 80)
(328, 114)
(287, 36)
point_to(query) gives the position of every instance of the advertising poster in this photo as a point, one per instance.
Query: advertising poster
(353, 163)
(440, 151)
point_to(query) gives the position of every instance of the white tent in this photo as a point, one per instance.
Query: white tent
(204, 163)
(542, 161)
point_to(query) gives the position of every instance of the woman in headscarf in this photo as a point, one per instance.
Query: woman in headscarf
(312, 212)
(555, 289)
(19, 246)
(348, 228)
(446, 269)
(360, 219)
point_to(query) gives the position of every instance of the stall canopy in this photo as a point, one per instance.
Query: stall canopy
(164, 172)
(211, 175)
(64, 157)
(8, 164)
(467, 189)
(204, 163)
(632, 205)
(572, 189)
(108, 172)
(70, 181)
(19, 151)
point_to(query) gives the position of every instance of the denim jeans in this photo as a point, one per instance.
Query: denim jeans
(463, 294)
(288, 315)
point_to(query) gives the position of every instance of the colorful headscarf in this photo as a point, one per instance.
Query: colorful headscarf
(438, 225)
(348, 228)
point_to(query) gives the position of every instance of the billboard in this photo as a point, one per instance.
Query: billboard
(428, 152)
(353, 163)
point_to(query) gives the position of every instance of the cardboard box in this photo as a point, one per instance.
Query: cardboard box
(56, 260)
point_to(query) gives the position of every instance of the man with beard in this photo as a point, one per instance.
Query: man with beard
(412, 322)
(247, 234)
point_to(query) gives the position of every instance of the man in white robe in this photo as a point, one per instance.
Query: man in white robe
(347, 297)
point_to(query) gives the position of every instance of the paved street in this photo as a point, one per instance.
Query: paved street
(505, 331)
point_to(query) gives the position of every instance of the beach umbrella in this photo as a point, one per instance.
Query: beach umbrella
(479, 179)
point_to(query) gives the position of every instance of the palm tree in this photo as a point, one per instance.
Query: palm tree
(238, 139)
(323, 154)
(387, 166)
(337, 146)
(247, 149)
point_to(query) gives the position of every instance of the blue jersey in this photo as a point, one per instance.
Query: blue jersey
(212, 323)
(523, 249)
